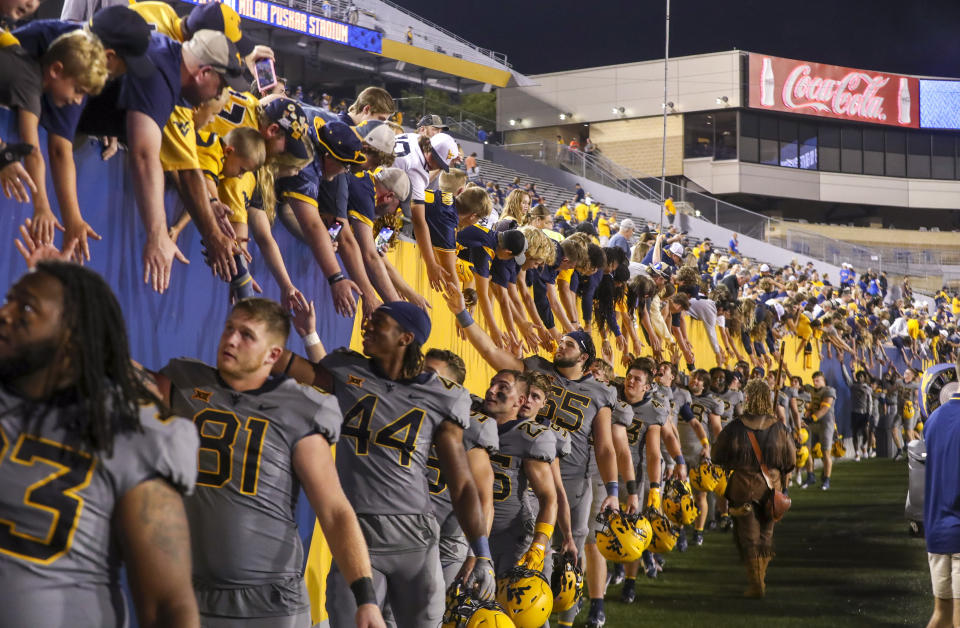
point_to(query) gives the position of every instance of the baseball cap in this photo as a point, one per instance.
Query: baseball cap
(216, 16)
(445, 149)
(514, 241)
(410, 317)
(290, 116)
(764, 268)
(340, 140)
(125, 31)
(214, 49)
(676, 248)
(585, 342)
(377, 134)
(432, 120)
(659, 270)
(397, 181)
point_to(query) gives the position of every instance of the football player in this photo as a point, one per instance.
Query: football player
(726, 389)
(819, 420)
(704, 413)
(522, 463)
(261, 439)
(92, 467)
(578, 403)
(393, 413)
(480, 440)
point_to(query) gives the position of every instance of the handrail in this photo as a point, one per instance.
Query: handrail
(499, 57)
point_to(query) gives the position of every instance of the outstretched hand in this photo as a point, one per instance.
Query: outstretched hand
(34, 251)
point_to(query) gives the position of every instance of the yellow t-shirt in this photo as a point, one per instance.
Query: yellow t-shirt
(913, 328)
(234, 192)
(210, 155)
(583, 212)
(565, 275)
(603, 227)
(240, 110)
(955, 305)
(162, 16)
(563, 212)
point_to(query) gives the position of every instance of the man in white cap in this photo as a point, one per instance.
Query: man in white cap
(623, 238)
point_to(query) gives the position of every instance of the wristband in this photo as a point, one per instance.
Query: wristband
(632, 487)
(480, 547)
(613, 489)
(543, 528)
(654, 485)
(10, 153)
(311, 339)
(705, 442)
(464, 319)
(335, 277)
(679, 460)
(363, 592)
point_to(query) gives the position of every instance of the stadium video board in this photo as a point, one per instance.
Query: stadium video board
(939, 104)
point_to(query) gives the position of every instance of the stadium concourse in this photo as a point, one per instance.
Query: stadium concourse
(538, 411)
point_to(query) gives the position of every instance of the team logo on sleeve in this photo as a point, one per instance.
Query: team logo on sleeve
(353, 380)
(202, 395)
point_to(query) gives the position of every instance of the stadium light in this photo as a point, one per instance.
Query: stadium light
(515, 121)
(723, 101)
(566, 116)
(619, 111)
(669, 106)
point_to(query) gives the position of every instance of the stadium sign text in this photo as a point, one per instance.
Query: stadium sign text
(834, 92)
(306, 23)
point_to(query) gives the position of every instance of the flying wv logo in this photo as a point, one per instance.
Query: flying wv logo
(516, 593)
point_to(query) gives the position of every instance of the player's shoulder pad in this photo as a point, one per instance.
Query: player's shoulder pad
(166, 447)
(539, 440)
(660, 403)
(622, 414)
(184, 372)
(538, 363)
(481, 433)
(828, 391)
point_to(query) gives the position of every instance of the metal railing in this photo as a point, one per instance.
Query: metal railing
(498, 57)
(461, 122)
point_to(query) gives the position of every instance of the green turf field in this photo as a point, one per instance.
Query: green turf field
(843, 559)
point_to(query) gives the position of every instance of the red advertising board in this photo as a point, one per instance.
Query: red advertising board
(830, 91)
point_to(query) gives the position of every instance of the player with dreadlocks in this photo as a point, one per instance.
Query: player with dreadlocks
(98, 467)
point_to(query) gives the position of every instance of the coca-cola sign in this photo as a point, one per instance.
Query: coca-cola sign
(831, 91)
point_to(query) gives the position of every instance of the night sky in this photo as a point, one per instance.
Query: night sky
(906, 36)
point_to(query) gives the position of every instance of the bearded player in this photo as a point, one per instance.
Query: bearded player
(261, 439)
(92, 471)
(578, 404)
(392, 414)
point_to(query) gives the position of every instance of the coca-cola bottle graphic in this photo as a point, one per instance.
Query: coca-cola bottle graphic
(903, 102)
(767, 83)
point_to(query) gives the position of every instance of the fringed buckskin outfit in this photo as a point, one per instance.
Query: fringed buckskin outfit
(747, 491)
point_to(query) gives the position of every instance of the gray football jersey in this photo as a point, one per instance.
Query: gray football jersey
(242, 524)
(817, 397)
(653, 409)
(703, 406)
(730, 400)
(59, 556)
(388, 428)
(519, 440)
(480, 434)
(573, 405)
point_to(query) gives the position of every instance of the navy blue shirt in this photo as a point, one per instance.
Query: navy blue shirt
(155, 95)
(941, 491)
(478, 246)
(36, 38)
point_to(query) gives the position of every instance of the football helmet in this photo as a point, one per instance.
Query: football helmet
(803, 454)
(567, 583)
(802, 435)
(937, 384)
(526, 597)
(622, 539)
(678, 503)
(838, 450)
(462, 611)
(817, 451)
(721, 481)
(664, 534)
(701, 477)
